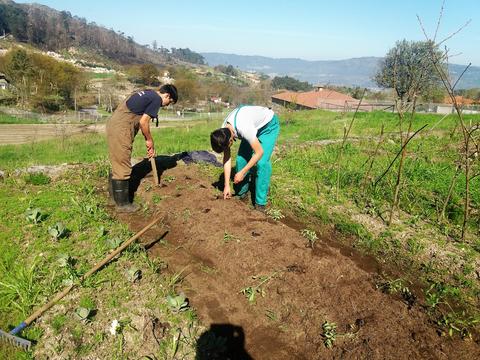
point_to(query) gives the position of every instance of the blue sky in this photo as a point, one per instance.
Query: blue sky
(311, 30)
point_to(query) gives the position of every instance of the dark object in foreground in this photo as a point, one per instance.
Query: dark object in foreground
(222, 341)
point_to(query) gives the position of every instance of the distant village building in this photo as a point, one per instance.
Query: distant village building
(319, 98)
(4, 83)
(459, 99)
(166, 79)
(218, 101)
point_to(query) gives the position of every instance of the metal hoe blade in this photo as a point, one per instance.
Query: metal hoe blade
(15, 340)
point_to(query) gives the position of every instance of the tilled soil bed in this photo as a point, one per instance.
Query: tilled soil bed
(223, 247)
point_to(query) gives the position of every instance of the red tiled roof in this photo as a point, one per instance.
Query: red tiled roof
(317, 98)
(460, 100)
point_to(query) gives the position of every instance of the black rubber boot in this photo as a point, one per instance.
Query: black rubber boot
(121, 196)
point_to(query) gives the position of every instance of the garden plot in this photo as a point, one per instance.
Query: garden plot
(276, 291)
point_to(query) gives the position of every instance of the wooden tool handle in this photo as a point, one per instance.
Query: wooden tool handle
(65, 291)
(154, 170)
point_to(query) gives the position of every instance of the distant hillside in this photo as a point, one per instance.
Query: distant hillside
(350, 72)
(49, 29)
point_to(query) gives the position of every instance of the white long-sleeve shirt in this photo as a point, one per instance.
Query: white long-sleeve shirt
(249, 120)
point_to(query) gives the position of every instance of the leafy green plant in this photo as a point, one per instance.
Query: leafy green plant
(34, 215)
(113, 242)
(86, 310)
(65, 260)
(101, 231)
(57, 231)
(311, 236)
(329, 333)
(458, 322)
(177, 303)
(156, 198)
(275, 214)
(134, 274)
(83, 314)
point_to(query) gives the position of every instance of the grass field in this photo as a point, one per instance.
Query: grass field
(419, 244)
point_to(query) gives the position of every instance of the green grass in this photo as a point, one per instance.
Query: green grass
(32, 272)
(94, 75)
(305, 179)
(93, 147)
(303, 185)
(9, 119)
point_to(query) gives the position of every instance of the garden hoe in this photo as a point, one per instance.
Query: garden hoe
(12, 338)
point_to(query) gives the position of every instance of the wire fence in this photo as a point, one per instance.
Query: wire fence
(93, 116)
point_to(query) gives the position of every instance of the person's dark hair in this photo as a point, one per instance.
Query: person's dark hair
(170, 90)
(220, 139)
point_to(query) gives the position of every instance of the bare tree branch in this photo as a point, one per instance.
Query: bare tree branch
(463, 72)
(398, 154)
(439, 21)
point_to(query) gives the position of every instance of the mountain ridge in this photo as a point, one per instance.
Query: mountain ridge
(356, 71)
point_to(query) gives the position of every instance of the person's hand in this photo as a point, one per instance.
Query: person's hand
(238, 177)
(150, 148)
(227, 193)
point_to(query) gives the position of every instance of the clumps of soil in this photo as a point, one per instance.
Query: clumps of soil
(223, 248)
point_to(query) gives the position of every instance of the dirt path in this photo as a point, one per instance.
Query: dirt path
(221, 245)
(27, 133)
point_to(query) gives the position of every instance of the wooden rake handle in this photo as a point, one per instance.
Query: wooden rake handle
(105, 261)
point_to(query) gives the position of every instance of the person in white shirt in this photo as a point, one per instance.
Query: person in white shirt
(258, 128)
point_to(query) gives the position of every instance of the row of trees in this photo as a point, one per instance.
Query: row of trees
(53, 30)
(41, 82)
(193, 88)
(289, 83)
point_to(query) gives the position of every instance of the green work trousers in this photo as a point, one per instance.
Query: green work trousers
(267, 135)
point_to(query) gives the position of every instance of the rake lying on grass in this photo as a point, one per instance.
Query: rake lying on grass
(18, 341)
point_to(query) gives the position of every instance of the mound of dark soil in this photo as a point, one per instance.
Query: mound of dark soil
(224, 247)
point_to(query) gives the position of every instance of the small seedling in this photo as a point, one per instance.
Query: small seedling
(311, 236)
(134, 274)
(271, 315)
(113, 243)
(169, 179)
(186, 215)
(251, 292)
(65, 260)
(57, 231)
(207, 269)
(101, 231)
(156, 198)
(275, 214)
(34, 215)
(177, 303)
(83, 314)
(229, 237)
(329, 333)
